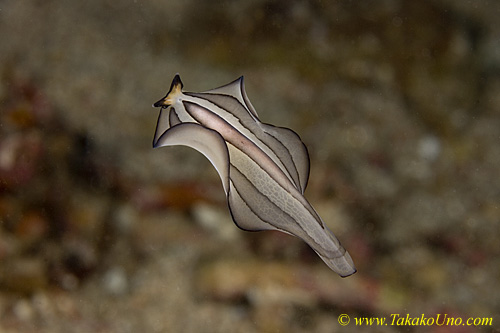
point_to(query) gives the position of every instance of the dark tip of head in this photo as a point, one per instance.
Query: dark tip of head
(176, 81)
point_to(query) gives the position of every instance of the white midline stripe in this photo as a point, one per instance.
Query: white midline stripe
(246, 146)
(234, 122)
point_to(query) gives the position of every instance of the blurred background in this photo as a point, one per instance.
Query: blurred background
(397, 101)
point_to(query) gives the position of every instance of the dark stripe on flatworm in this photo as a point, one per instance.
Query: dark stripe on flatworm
(243, 115)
